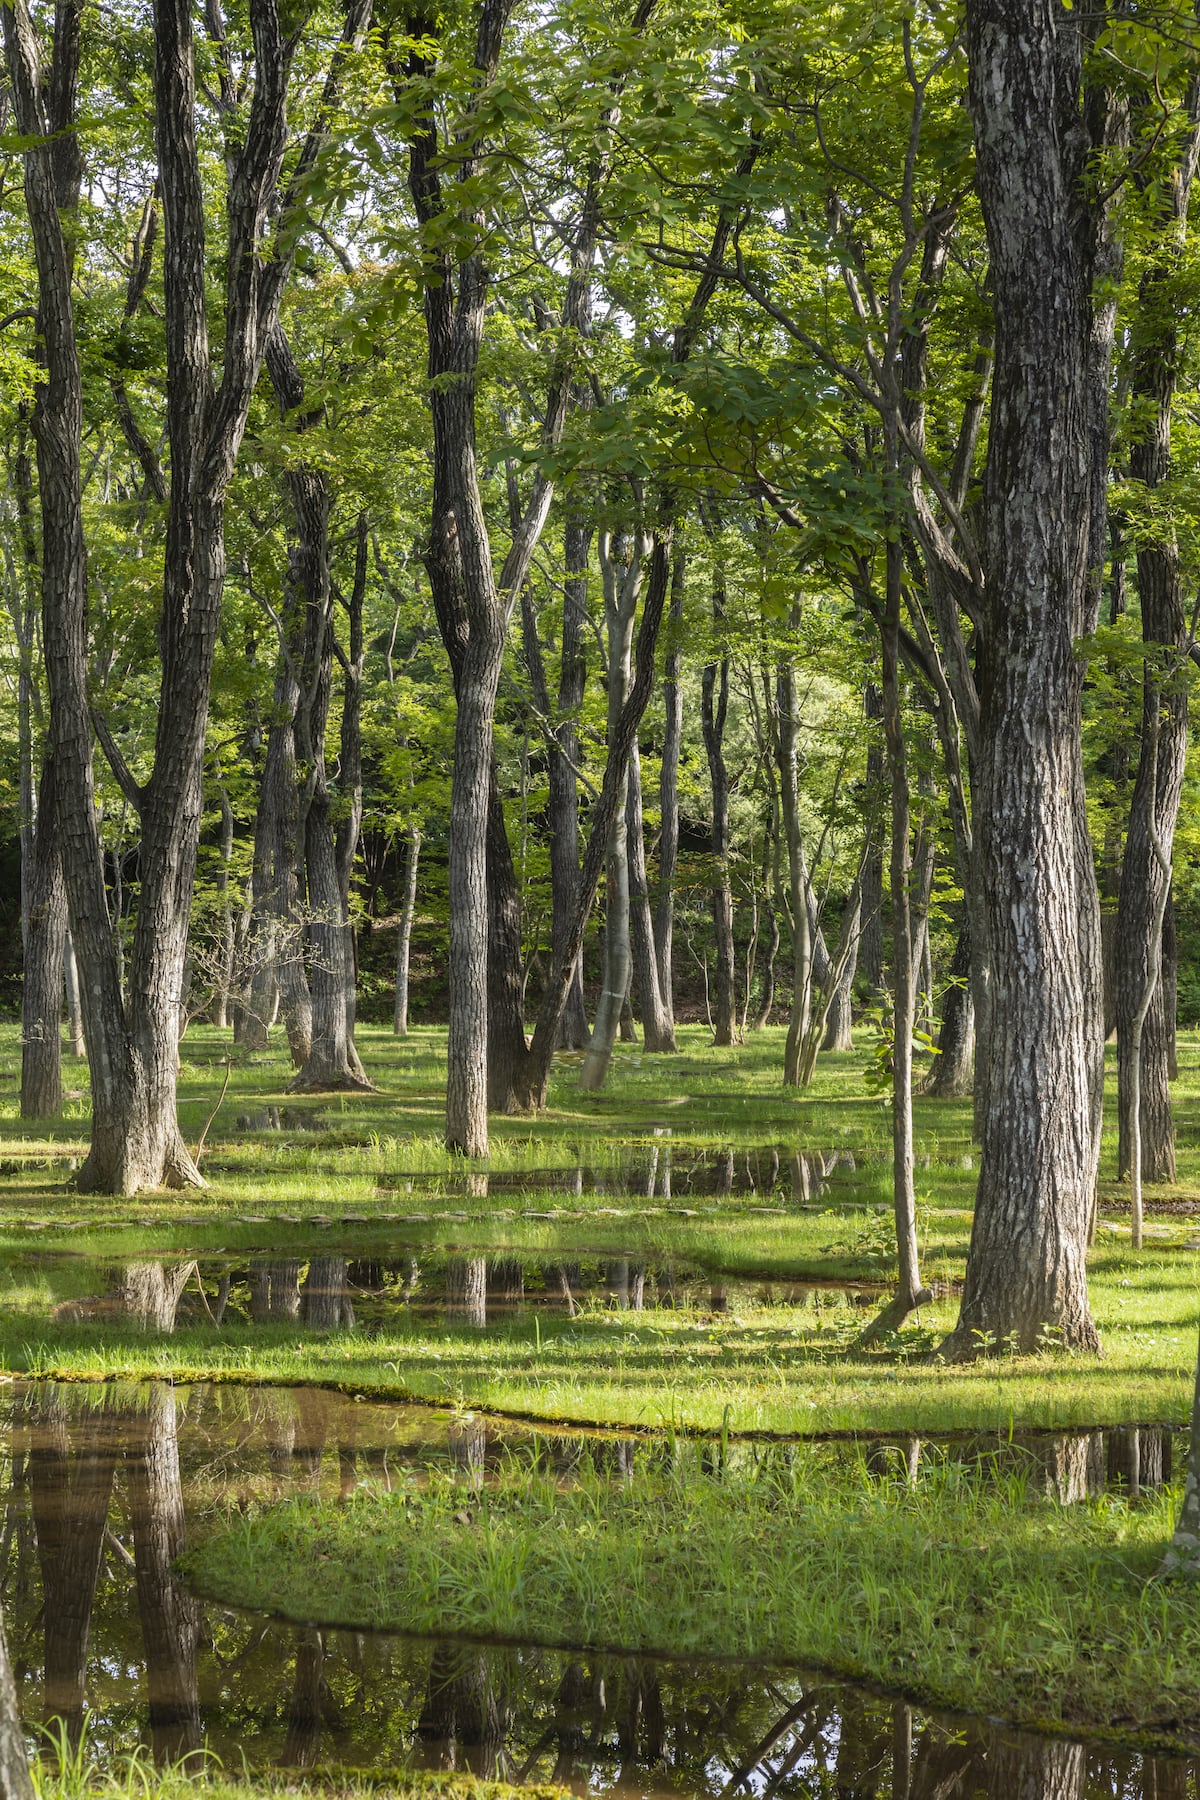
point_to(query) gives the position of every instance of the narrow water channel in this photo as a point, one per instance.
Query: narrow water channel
(105, 1485)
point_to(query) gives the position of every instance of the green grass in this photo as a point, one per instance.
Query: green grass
(963, 1589)
(137, 1778)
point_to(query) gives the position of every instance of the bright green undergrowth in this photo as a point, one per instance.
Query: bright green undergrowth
(964, 1588)
(762, 1366)
(137, 1778)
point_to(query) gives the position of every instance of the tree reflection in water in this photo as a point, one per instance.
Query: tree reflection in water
(111, 1480)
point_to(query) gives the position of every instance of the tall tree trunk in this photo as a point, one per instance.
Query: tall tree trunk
(621, 562)
(564, 759)
(658, 1033)
(714, 710)
(787, 712)
(15, 1780)
(331, 1062)
(224, 973)
(951, 1074)
(45, 922)
(404, 936)
(277, 954)
(1154, 807)
(870, 952)
(1026, 1271)
(136, 1141)
(76, 1043)
(668, 791)
(839, 1015)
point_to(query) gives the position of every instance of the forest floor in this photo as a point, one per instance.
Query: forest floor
(754, 1226)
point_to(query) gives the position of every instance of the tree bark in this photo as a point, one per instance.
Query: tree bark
(870, 950)
(951, 1074)
(564, 759)
(404, 936)
(45, 921)
(787, 711)
(621, 563)
(658, 1033)
(1026, 1272)
(136, 1141)
(76, 1043)
(1158, 787)
(668, 792)
(714, 704)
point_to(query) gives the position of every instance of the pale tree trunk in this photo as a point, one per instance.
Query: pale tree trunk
(136, 1142)
(714, 711)
(564, 759)
(404, 935)
(331, 1062)
(870, 954)
(1143, 1030)
(466, 1291)
(76, 1043)
(622, 740)
(350, 778)
(1026, 1271)
(908, 915)
(658, 1033)
(224, 983)
(787, 730)
(668, 793)
(621, 562)
(839, 1007)
(277, 974)
(45, 923)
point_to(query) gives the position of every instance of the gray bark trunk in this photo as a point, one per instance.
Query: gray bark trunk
(951, 1074)
(404, 936)
(45, 923)
(658, 1033)
(1026, 1270)
(1158, 788)
(714, 710)
(76, 1042)
(564, 758)
(668, 794)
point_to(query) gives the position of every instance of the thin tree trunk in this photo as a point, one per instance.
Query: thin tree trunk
(714, 709)
(787, 710)
(224, 983)
(668, 792)
(870, 953)
(621, 563)
(658, 1033)
(404, 936)
(75, 1038)
(564, 759)
(45, 923)
(1158, 788)
(840, 1008)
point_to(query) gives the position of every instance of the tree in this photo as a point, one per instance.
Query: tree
(132, 1042)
